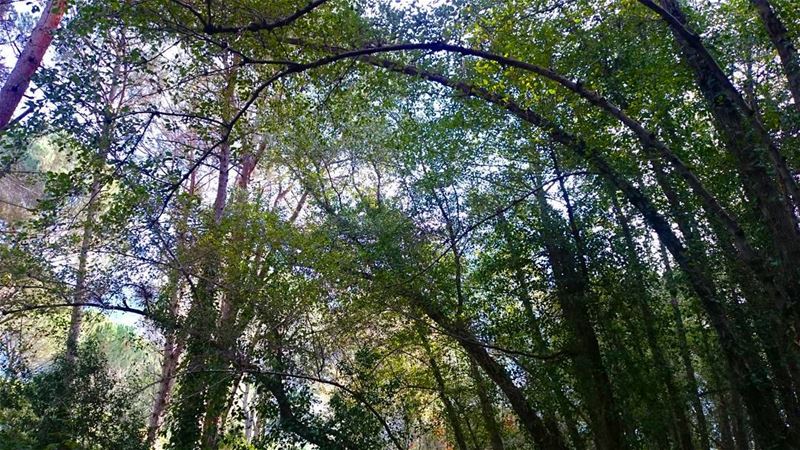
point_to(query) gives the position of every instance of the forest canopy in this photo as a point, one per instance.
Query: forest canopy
(400, 224)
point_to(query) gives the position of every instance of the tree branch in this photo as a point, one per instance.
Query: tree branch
(263, 25)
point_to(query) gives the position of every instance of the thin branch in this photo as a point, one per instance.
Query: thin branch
(263, 25)
(26, 308)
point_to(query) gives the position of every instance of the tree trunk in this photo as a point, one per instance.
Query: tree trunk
(552, 378)
(752, 148)
(30, 59)
(73, 335)
(783, 44)
(487, 409)
(293, 424)
(449, 410)
(543, 435)
(217, 388)
(738, 346)
(740, 424)
(573, 294)
(686, 358)
(662, 365)
(169, 366)
(250, 418)
(223, 160)
(173, 348)
(205, 394)
(174, 340)
(92, 207)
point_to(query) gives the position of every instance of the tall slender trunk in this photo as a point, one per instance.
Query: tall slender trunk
(231, 400)
(487, 409)
(783, 44)
(92, 208)
(174, 340)
(228, 330)
(172, 350)
(686, 358)
(663, 365)
(204, 394)
(739, 423)
(580, 246)
(223, 159)
(757, 379)
(217, 389)
(462, 411)
(543, 434)
(726, 441)
(30, 59)
(573, 294)
(250, 414)
(719, 386)
(553, 379)
(449, 410)
(79, 296)
(747, 374)
(582, 257)
(169, 365)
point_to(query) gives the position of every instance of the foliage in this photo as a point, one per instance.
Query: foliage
(70, 406)
(360, 224)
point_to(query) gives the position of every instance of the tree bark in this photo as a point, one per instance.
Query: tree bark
(487, 409)
(783, 44)
(205, 393)
(573, 294)
(449, 409)
(92, 208)
(30, 59)
(753, 385)
(686, 358)
(553, 379)
(174, 341)
(173, 348)
(79, 296)
(543, 435)
(291, 423)
(752, 148)
(662, 365)
(250, 415)
(169, 366)
(740, 424)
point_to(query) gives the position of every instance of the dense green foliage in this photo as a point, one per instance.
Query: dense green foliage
(351, 224)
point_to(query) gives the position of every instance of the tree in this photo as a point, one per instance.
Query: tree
(29, 60)
(469, 224)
